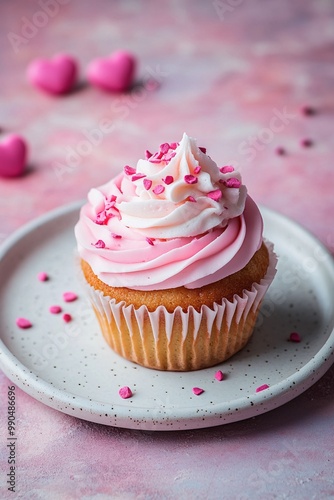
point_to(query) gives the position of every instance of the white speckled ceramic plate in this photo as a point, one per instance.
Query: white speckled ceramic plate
(70, 367)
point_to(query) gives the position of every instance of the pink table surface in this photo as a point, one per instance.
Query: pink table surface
(225, 70)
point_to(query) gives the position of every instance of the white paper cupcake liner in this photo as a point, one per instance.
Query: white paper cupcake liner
(230, 322)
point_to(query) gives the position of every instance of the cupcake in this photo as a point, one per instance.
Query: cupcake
(174, 260)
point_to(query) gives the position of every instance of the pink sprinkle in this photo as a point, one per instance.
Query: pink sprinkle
(129, 170)
(164, 148)
(138, 176)
(99, 244)
(67, 317)
(101, 218)
(109, 205)
(306, 143)
(262, 388)
(116, 236)
(158, 155)
(125, 392)
(233, 182)
(280, 151)
(197, 391)
(23, 323)
(227, 169)
(192, 199)
(148, 154)
(69, 296)
(159, 189)
(294, 337)
(154, 159)
(215, 195)
(169, 155)
(147, 184)
(190, 179)
(308, 110)
(219, 375)
(173, 145)
(42, 276)
(197, 169)
(202, 149)
(168, 179)
(55, 309)
(150, 241)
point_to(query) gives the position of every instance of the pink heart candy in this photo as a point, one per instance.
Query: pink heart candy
(56, 76)
(114, 73)
(13, 155)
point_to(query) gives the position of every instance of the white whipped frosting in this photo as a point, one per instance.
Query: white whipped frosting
(172, 214)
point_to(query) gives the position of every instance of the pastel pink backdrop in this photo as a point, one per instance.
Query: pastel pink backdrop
(236, 75)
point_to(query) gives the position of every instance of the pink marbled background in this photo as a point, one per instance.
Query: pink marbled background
(224, 70)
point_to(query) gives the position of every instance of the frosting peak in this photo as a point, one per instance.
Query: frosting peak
(179, 192)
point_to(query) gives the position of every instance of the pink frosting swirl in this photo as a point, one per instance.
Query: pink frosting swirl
(176, 220)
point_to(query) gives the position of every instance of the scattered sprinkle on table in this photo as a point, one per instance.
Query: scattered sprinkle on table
(294, 337)
(306, 143)
(125, 392)
(262, 388)
(280, 151)
(55, 309)
(69, 296)
(42, 276)
(219, 375)
(308, 111)
(67, 317)
(23, 323)
(197, 391)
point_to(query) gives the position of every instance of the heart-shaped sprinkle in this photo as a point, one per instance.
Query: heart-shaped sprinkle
(129, 170)
(294, 337)
(99, 244)
(147, 184)
(13, 156)
(233, 182)
(164, 148)
(219, 375)
(69, 296)
(138, 176)
(190, 179)
(306, 143)
(67, 317)
(215, 195)
(168, 179)
(55, 76)
(197, 391)
(23, 323)
(55, 309)
(159, 189)
(262, 388)
(226, 169)
(308, 110)
(42, 276)
(125, 392)
(280, 151)
(114, 73)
